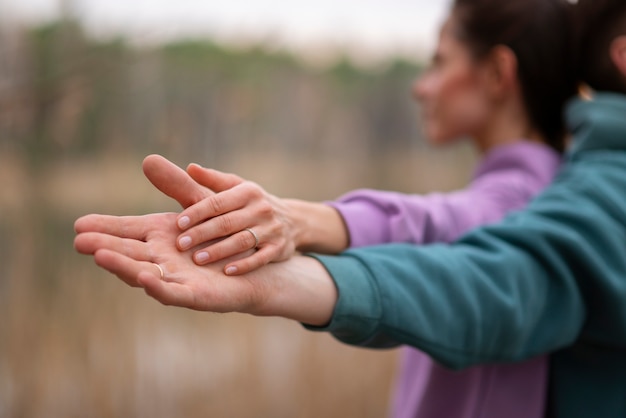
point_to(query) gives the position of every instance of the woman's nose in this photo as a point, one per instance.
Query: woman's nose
(418, 89)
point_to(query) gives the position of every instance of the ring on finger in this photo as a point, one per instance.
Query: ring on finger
(256, 237)
(161, 272)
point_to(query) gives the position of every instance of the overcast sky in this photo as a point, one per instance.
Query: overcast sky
(372, 25)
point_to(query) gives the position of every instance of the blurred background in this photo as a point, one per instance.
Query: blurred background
(309, 99)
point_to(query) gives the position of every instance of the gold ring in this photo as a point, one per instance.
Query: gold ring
(256, 237)
(160, 271)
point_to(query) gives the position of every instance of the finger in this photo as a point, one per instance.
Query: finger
(97, 223)
(125, 268)
(112, 225)
(233, 245)
(91, 242)
(173, 181)
(222, 203)
(259, 259)
(215, 180)
(220, 227)
(168, 293)
(135, 227)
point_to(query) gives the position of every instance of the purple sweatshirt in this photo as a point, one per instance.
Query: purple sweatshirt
(507, 178)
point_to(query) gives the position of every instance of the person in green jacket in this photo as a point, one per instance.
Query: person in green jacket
(548, 279)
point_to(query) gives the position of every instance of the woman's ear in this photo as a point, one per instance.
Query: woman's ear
(618, 53)
(502, 71)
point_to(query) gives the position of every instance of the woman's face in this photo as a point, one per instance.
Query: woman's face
(452, 92)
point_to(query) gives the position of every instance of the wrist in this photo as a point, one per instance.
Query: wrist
(318, 227)
(297, 212)
(299, 289)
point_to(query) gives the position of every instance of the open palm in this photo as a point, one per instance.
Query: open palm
(130, 246)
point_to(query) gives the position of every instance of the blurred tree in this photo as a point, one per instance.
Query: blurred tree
(196, 97)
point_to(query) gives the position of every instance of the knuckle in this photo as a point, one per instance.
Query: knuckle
(266, 210)
(215, 204)
(252, 189)
(224, 225)
(199, 235)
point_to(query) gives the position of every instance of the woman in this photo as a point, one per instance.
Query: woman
(499, 76)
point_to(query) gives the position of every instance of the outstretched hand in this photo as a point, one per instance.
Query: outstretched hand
(142, 251)
(138, 248)
(131, 247)
(241, 214)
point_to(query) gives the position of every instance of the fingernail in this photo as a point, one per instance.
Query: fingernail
(202, 257)
(183, 222)
(184, 242)
(231, 270)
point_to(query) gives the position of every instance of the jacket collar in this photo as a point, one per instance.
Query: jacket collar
(598, 124)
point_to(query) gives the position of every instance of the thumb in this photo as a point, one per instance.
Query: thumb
(173, 181)
(215, 180)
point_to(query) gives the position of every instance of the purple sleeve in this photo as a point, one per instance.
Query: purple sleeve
(377, 217)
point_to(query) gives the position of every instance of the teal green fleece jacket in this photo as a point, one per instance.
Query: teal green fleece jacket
(548, 279)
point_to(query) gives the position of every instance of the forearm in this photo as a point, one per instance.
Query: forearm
(532, 284)
(299, 288)
(319, 227)
(374, 217)
(460, 306)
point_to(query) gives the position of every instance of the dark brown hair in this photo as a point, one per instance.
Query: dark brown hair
(539, 33)
(597, 23)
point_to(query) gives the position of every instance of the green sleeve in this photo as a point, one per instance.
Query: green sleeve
(534, 283)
